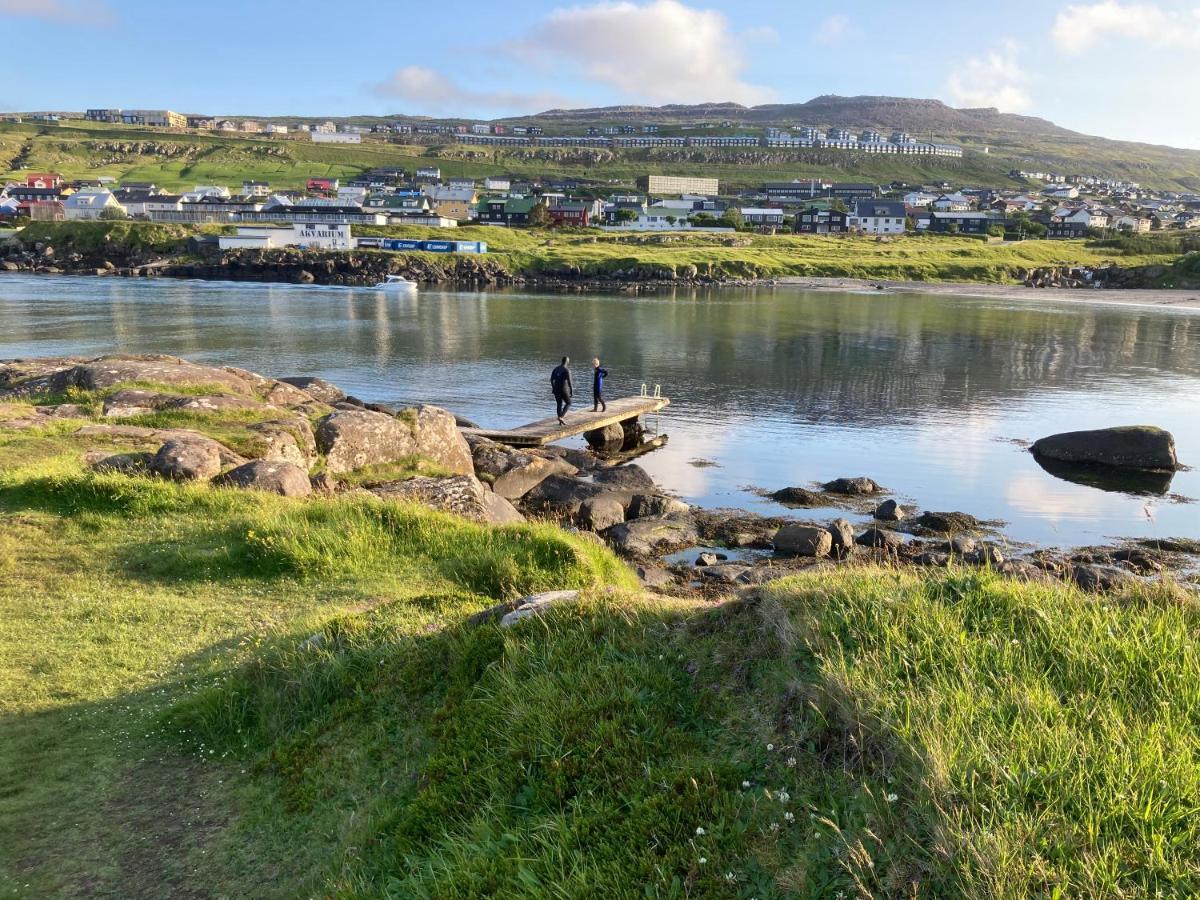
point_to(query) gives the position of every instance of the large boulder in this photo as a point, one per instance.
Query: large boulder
(290, 440)
(187, 459)
(1100, 578)
(317, 388)
(133, 402)
(841, 534)
(643, 505)
(528, 472)
(462, 495)
(562, 495)
(610, 437)
(803, 540)
(601, 512)
(889, 511)
(632, 478)
(1128, 447)
(797, 496)
(652, 536)
(274, 475)
(110, 371)
(948, 522)
(852, 487)
(880, 538)
(354, 438)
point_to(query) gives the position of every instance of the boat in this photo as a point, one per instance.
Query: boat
(396, 283)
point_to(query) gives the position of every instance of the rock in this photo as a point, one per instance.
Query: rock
(274, 475)
(527, 474)
(583, 460)
(632, 478)
(324, 483)
(1128, 447)
(601, 512)
(280, 393)
(536, 605)
(707, 559)
(932, 558)
(984, 555)
(291, 440)
(841, 533)
(643, 505)
(219, 403)
(386, 409)
(654, 576)
(889, 511)
(317, 388)
(130, 402)
(63, 411)
(803, 540)
(187, 459)
(125, 463)
(651, 536)
(959, 545)
(610, 437)
(1100, 578)
(352, 439)
(562, 494)
(110, 371)
(852, 487)
(948, 522)
(797, 496)
(879, 537)
(461, 495)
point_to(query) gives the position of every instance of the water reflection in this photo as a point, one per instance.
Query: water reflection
(779, 386)
(1106, 478)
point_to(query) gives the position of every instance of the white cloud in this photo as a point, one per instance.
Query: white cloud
(662, 51)
(994, 79)
(835, 29)
(1080, 27)
(431, 91)
(71, 12)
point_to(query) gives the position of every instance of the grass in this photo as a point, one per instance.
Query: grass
(182, 160)
(590, 253)
(232, 693)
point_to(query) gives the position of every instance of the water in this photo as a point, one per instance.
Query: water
(926, 394)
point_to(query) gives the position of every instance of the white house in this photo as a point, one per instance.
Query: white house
(337, 137)
(275, 129)
(919, 199)
(496, 183)
(879, 217)
(318, 236)
(757, 215)
(90, 204)
(951, 203)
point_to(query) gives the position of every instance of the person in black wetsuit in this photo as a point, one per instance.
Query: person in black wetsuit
(560, 383)
(598, 376)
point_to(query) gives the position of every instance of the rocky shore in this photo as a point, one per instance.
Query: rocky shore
(203, 259)
(300, 436)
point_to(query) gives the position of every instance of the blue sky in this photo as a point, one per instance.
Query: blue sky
(1110, 67)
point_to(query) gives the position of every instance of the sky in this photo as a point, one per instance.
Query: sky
(1109, 67)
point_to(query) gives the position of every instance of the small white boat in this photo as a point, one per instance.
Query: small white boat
(396, 283)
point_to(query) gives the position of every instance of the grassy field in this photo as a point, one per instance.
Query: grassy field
(169, 724)
(591, 253)
(182, 160)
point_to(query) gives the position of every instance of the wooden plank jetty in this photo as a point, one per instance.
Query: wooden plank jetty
(547, 431)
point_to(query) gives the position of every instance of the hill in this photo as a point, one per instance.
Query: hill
(995, 144)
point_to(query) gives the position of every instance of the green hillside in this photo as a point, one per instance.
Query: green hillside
(81, 149)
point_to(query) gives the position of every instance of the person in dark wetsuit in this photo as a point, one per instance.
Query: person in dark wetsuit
(598, 376)
(560, 383)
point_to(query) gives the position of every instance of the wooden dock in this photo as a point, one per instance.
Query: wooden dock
(547, 431)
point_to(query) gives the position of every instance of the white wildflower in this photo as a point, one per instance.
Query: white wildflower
(789, 817)
(699, 830)
(892, 798)
(745, 784)
(770, 747)
(702, 860)
(791, 762)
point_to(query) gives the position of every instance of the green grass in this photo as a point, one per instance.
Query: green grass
(232, 693)
(590, 253)
(177, 160)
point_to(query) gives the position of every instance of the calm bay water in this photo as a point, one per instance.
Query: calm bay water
(926, 394)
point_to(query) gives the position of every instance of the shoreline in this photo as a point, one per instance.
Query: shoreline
(1155, 298)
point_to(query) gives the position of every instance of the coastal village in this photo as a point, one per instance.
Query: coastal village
(1037, 204)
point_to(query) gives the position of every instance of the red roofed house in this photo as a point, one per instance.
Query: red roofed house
(43, 180)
